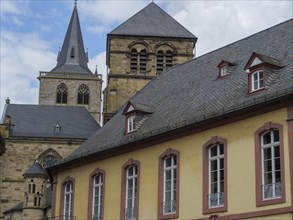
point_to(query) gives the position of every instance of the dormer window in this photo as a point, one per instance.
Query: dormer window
(224, 71)
(257, 80)
(135, 115)
(259, 68)
(225, 68)
(131, 124)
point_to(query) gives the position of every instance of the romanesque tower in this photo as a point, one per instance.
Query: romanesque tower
(35, 192)
(71, 82)
(139, 49)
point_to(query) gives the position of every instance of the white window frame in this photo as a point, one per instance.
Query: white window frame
(68, 200)
(131, 126)
(97, 187)
(259, 80)
(130, 207)
(219, 196)
(224, 71)
(274, 186)
(172, 168)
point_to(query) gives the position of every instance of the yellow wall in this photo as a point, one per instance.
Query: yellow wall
(241, 172)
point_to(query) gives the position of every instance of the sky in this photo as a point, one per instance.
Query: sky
(32, 31)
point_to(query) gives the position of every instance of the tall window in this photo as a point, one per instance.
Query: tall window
(83, 95)
(61, 94)
(138, 61)
(269, 165)
(97, 197)
(168, 184)
(130, 190)
(257, 80)
(215, 175)
(68, 191)
(164, 60)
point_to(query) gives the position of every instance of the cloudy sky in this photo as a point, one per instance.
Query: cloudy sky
(33, 30)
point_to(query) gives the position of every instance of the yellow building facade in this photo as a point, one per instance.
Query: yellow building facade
(241, 175)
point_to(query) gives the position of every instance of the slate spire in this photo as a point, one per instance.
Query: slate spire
(72, 58)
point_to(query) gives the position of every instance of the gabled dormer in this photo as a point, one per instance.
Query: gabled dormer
(260, 69)
(135, 115)
(225, 68)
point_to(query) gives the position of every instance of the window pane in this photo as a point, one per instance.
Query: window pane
(267, 138)
(267, 154)
(168, 161)
(277, 151)
(278, 176)
(214, 188)
(277, 164)
(214, 176)
(221, 146)
(168, 185)
(268, 178)
(168, 174)
(276, 135)
(221, 175)
(213, 151)
(267, 166)
(214, 165)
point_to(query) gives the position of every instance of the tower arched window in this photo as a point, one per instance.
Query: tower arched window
(164, 60)
(83, 95)
(138, 61)
(133, 60)
(61, 94)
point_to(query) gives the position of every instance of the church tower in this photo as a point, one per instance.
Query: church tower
(35, 193)
(139, 49)
(71, 82)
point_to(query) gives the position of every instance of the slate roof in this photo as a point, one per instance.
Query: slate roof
(35, 170)
(72, 58)
(39, 121)
(191, 93)
(152, 21)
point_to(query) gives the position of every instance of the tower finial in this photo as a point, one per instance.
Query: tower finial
(75, 2)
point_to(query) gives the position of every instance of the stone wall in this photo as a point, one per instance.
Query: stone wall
(19, 156)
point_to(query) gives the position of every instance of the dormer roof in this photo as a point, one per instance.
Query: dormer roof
(152, 21)
(137, 107)
(225, 62)
(256, 59)
(72, 58)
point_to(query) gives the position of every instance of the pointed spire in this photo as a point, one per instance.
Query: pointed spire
(72, 58)
(96, 71)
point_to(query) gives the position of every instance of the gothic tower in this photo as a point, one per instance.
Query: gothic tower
(139, 49)
(71, 82)
(35, 192)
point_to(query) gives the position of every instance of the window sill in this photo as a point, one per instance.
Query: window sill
(168, 216)
(209, 210)
(271, 201)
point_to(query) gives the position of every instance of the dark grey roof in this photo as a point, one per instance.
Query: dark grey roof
(72, 58)
(36, 170)
(18, 207)
(40, 120)
(191, 93)
(152, 21)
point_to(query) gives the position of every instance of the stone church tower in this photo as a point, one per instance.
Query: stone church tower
(141, 48)
(71, 82)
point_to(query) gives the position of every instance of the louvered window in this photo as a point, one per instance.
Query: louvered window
(61, 94)
(83, 95)
(142, 61)
(133, 61)
(164, 60)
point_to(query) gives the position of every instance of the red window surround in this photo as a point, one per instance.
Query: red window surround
(167, 153)
(212, 142)
(258, 165)
(250, 79)
(66, 181)
(95, 173)
(129, 163)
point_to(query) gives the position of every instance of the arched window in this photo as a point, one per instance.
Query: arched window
(169, 184)
(215, 175)
(133, 61)
(83, 95)
(49, 160)
(164, 60)
(49, 157)
(269, 152)
(61, 94)
(138, 61)
(130, 193)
